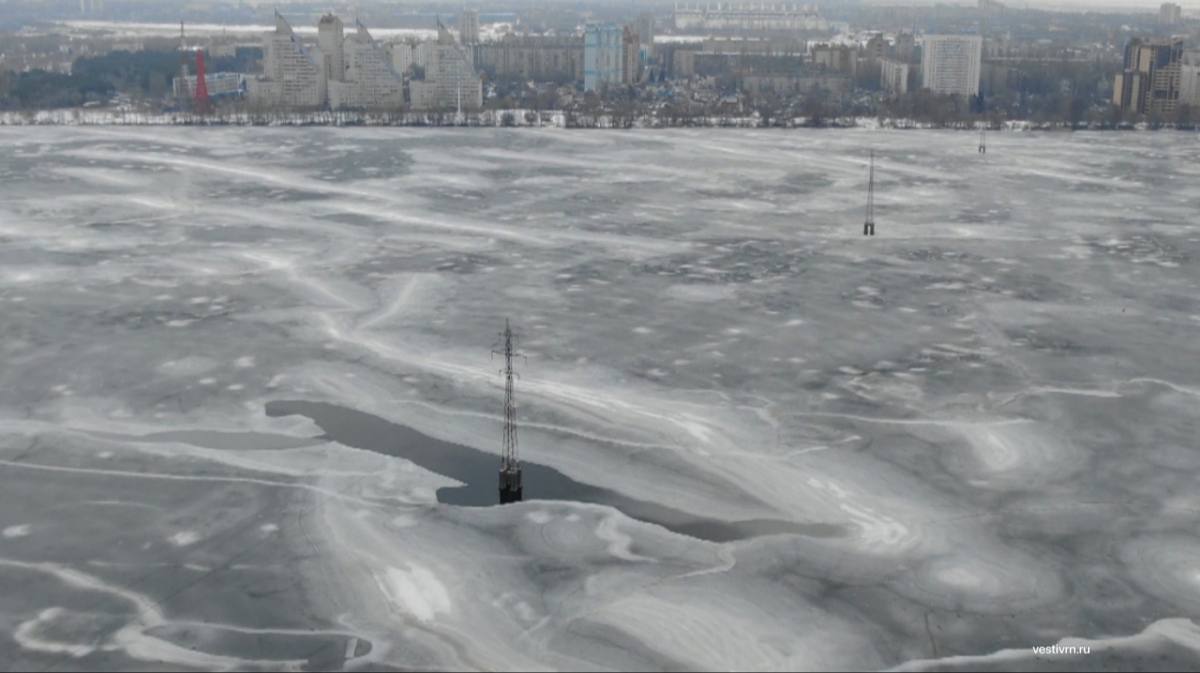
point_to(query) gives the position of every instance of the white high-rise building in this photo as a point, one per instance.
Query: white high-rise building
(450, 79)
(411, 53)
(369, 82)
(950, 64)
(330, 39)
(343, 71)
(645, 31)
(468, 27)
(1170, 13)
(402, 56)
(423, 52)
(1189, 79)
(893, 76)
(292, 75)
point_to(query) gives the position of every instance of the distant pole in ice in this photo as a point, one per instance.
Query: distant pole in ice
(983, 140)
(510, 463)
(869, 223)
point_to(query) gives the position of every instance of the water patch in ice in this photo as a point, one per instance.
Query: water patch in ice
(476, 470)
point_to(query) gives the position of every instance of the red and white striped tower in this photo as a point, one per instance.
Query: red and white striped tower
(200, 104)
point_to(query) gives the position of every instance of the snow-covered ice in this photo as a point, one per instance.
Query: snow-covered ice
(979, 426)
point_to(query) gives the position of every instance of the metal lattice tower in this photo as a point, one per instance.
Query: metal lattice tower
(869, 223)
(510, 463)
(201, 103)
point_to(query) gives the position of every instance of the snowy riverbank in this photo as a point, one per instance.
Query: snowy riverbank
(488, 118)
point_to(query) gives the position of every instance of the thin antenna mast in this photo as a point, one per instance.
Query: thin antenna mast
(183, 64)
(869, 223)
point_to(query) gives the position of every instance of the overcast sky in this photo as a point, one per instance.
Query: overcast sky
(1189, 8)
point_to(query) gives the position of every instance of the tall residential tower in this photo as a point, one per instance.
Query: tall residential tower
(292, 76)
(950, 64)
(603, 56)
(451, 81)
(1150, 82)
(330, 40)
(468, 27)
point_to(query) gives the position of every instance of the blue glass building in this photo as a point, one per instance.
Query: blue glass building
(602, 50)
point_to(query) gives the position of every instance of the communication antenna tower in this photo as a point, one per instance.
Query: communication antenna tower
(869, 223)
(510, 462)
(183, 53)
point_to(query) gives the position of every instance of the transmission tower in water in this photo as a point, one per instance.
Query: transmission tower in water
(510, 464)
(869, 223)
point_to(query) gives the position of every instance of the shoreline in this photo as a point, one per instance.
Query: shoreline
(520, 118)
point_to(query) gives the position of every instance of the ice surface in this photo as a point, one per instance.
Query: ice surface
(994, 400)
